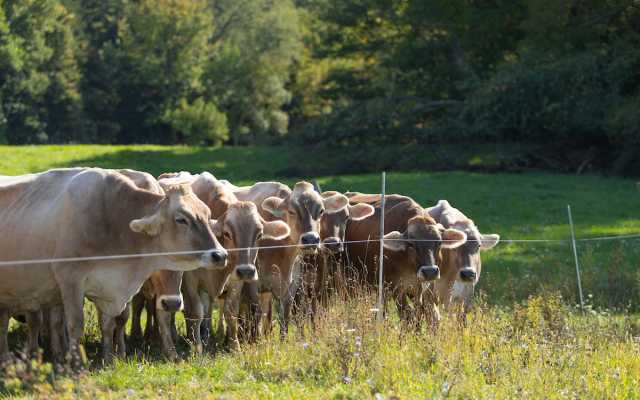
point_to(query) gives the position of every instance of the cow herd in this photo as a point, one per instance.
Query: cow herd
(129, 242)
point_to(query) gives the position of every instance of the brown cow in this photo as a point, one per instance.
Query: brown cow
(301, 209)
(461, 267)
(413, 241)
(93, 212)
(315, 270)
(161, 297)
(240, 227)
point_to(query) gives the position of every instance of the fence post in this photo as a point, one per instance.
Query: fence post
(575, 256)
(381, 256)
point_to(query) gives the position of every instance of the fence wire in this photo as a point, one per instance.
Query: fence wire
(241, 249)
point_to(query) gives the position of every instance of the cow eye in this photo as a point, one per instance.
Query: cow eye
(259, 236)
(182, 221)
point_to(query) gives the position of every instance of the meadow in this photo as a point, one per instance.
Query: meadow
(525, 338)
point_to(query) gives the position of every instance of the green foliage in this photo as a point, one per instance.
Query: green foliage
(198, 123)
(39, 72)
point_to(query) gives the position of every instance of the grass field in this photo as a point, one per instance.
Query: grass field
(511, 347)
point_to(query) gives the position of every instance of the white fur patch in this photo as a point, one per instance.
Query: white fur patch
(461, 290)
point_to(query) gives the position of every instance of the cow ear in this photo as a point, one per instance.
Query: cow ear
(360, 211)
(275, 230)
(272, 205)
(453, 238)
(148, 225)
(335, 203)
(394, 241)
(217, 227)
(489, 241)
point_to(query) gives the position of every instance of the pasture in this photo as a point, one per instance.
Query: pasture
(525, 338)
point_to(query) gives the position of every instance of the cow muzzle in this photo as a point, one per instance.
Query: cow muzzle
(333, 244)
(215, 258)
(467, 275)
(428, 273)
(310, 242)
(246, 272)
(171, 303)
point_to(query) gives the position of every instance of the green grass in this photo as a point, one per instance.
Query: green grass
(504, 352)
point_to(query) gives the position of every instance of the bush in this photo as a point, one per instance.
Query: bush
(198, 123)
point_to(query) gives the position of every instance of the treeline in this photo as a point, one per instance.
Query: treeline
(339, 72)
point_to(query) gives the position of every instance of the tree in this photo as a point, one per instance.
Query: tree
(39, 72)
(255, 44)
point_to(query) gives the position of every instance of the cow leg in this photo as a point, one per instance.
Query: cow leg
(265, 313)
(220, 330)
(286, 302)
(5, 355)
(231, 311)
(57, 333)
(119, 334)
(163, 319)
(206, 327)
(34, 325)
(137, 304)
(255, 314)
(73, 300)
(107, 328)
(149, 329)
(193, 313)
(174, 330)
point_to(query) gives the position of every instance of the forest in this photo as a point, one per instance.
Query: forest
(561, 78)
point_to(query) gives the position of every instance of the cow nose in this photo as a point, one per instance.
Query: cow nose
(333, 244)
(171, 303)
(467, 274)
(310, 239)
(246, 272)
(429, 273)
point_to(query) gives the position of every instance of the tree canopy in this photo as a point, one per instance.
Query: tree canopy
(343, 72)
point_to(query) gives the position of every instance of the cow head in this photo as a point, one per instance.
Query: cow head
(302, 210)
(463, 262)
(422, 241)
(465, 259)
(166, 289)
(181, 223)
(333, 225)
(240, 228)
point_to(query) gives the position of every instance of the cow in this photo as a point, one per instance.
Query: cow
(88, 212)
(161, 297)
(317, 272)
(239, 226)
(460, 267)
(413, 241)
(301, 209)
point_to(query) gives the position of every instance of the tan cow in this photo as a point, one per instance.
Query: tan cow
(301, 209)
(413, 241)
(461, 267)
(82, 212)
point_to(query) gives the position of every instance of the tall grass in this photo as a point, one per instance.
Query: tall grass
(541, 349)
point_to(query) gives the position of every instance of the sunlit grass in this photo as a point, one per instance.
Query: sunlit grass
(545, 349)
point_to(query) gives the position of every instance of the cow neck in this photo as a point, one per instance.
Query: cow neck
(137, 203)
